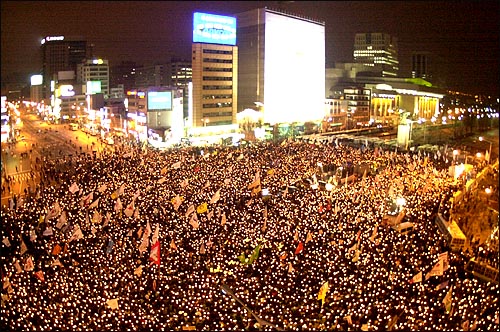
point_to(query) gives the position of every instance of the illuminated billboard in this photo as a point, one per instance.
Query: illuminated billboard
(36, 80)
(93, 87)
(214, 29)
(294, 69)
(160, 100)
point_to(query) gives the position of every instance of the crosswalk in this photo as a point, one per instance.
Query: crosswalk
(23, 176)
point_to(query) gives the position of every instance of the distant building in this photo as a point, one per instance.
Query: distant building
(214, 72)
(61, 53)
(124, 75)
(180, 73)
(421, 65)
(377, 50)
(94, 70)
(151, 75)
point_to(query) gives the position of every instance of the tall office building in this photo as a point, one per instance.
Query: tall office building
(61, 53)
(214, 70)
(151, 75)
(378, 50)
(421, 65)
(281, 65)
(123, 75)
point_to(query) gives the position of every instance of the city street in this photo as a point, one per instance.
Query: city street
(22, 160)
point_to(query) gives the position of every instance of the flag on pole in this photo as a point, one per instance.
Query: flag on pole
(290, 267)
(24, 248)
(113, 303)
(447, 300)
(299, 248)
(194, 222)
(28, 265)
(164, 170)
(176, 165)
(62, 220)
(322, 292)
(118, 205)
(176, 202)
(172, 245)
(190, 210)
(223, 219)
(163, 179)
(442, 285)
(154, 256)
(6, 241)
(54, 212)
(416, 278)
(74, 188)
(202, 208)
(255, 254)
(94, 204)
(129, 211)
(77, 234)
(309, 237)
(215, 197)
(39, 276)
(437, 270)
(138, 271)
(102, 188)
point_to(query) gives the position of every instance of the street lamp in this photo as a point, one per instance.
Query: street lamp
(482, 139)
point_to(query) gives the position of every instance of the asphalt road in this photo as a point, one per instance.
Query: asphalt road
(41, 140)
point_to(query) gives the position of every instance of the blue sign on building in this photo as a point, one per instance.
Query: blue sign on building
(214, 29)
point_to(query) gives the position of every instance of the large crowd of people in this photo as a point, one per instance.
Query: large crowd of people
(145, 240)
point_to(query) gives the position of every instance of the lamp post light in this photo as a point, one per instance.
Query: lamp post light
(482, 139)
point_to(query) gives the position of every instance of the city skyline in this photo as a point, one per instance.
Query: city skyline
(466, 42)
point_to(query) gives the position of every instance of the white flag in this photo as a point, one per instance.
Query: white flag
(48, 232)
(6, 241)
(74, 188)
(176, 165)
(416, 278)
(129, 211)
(163, 179)
(118, 205)
(193, 221)
(437, 270)
(23, 247)
(215, 197)
(62, 220)
(190, 210)
(102, 188)
(93, 205)
(77, 234)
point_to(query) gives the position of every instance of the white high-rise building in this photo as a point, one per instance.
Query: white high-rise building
(281, 65)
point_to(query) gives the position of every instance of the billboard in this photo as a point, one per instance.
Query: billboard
(214, 29)
(294, 69)
(160, 100)
(36, 80)
(93, 87)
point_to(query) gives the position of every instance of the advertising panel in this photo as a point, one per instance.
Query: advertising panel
(214, 29)
(160, 100)
(93, 87)
(36, 80)
(296, 95)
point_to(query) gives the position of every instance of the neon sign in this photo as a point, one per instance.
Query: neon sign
(214, 29)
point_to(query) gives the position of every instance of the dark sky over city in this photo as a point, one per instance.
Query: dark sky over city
(463, 36)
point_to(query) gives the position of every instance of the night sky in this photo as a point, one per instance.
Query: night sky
(463, 36)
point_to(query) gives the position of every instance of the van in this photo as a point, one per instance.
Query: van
(404, 227)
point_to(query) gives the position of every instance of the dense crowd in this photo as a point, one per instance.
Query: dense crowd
(82, 253)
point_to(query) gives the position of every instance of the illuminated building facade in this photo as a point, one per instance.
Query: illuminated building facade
(61, 53)
(214, 71)
(94, 70)
(281, 66)
(377, 50)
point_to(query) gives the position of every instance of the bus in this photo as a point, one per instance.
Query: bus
(73, 126)
(482, 270)
(452, 233)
